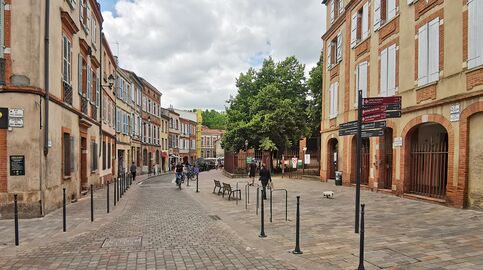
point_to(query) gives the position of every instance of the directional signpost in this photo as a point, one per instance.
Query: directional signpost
(370, 123)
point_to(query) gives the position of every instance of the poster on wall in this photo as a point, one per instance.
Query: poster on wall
(17, 165)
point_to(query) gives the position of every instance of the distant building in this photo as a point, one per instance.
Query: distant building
(210, 138)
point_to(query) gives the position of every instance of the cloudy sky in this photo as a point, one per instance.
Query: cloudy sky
(193, 50)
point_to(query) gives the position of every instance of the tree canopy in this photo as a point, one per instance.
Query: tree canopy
(271, 109)
(214, 119)
(314, 84)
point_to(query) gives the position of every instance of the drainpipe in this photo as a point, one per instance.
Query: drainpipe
(46, 104)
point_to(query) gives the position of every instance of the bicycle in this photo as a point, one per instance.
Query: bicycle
(179, 177)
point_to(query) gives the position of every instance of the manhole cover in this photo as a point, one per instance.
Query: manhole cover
(123, 242)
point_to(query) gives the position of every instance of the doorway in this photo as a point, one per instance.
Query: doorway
(333, 157)
(365, 160)
(386, 160)
(83, 167)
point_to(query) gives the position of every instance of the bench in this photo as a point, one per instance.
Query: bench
(227, 188)
(217, 185)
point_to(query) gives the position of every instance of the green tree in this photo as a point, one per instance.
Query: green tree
(314, 84)
(214, 119)
(270, 109)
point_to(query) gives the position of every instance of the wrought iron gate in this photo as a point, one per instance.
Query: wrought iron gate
(429, 167)
(365, 161)
(387, 160)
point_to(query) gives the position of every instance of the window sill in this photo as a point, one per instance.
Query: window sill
(387, 22)
(469, 70)
(419, 87)
(361, 41)
(66, 177)
(334, 65)
(332, 117)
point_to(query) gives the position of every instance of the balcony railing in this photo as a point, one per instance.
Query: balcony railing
(67, 92)
(84, 105)
(94, 111)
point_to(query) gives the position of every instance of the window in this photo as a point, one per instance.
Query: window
(333, 93)
(361, 80)
(67, 60)
(388, 71)
(384, 11)
(82, 76)
(360, 25)
(109, 160)
(428, 52)
(334, 51)
(475, 33)
(68, 154)
(72, 3)
(94, 159)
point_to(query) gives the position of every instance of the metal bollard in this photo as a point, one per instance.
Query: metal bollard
(64, 216)
(108, 197)
(92, 203)
(187, 181)
(15, 209)
(120, 187)
(115, 192)
(271, 205)
(258, 199)
(297, 230)
(246, 192)
(197, 178)
(262, 222)
(361, 243)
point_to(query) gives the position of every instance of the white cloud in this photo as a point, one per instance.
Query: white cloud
(193, 50)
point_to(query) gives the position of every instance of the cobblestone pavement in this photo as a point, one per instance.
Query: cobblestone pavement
(400, 233)
(155, 226)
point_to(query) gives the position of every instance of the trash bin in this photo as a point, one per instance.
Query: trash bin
(338, 178)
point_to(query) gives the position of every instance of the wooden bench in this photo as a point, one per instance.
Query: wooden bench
(227, 188)
(217, 185)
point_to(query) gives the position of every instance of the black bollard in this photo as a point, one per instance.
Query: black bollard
(258, 199)
(120, 186)
(64, 217)
(108, 197)
(115, 193)
(197, 183)
(297, 230)
(15, 209)
(271, 205)
(92, 203)
(361, 243)
(262, 221)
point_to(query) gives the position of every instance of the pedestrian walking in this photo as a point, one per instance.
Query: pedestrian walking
(253, 170)
(133, 171)
(265, 177)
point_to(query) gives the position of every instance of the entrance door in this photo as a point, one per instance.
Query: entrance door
(365, 161)
(333, 158)
(386, 160)
(475, 170)
(83, 167)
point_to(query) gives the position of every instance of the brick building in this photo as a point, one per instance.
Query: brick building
(211, 142)
(151, 118)
(431, 54)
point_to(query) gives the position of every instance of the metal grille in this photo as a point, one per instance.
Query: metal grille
(429, 166)
(67, 93)
(387, 160)
(84, 105)
(94, 111)
(365, 161)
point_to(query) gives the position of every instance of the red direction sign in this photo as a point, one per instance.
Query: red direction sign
(374, 117)
(373, 110)
(376, 101)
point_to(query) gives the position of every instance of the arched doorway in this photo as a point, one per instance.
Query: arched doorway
(475, 154)
(157, 157)
(145, 157)
(385, 168)
(333, 157)
(150, 161)
(428, 171)
(365, 160)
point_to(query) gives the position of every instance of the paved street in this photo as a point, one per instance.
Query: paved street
(156, 226)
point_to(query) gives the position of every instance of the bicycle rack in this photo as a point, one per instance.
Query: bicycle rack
(286, 199)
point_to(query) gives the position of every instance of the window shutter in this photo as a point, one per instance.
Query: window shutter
(329, 56)
(341, 6)
(336, 91)
(433, 50)
(98, 90)
(339, 47)
(88, 24)
(384, 72)
(365, 20)
(81, 12)
(89, 82)
(357, 86)
(377, 14)
(331, 105)
(71, 157)
(391, 72)
(363, 78)
(332, 11)
(410, 2)
(354, 30)
(79, 71)
(422, 55)
(479, 29)
(475, 40)
(391, 9)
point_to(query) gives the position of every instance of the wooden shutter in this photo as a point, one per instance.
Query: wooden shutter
(391, 9)
(98, 90)
(423, 55)
(354, 30)
(391, 71)
(88, 23)
(341, 6)
(329, 62)
(363, 78)
(384, 72)
(336, 91)
(433, 50)
(339, 47)
(331, 100)
(331, 7)
(475, 39)
(377, 14)
(89, 82)
(365, 20)
(79, 71)
(71, 154)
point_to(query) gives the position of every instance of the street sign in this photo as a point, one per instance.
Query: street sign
(374, 117)
(372, 133)
(374, 101)
(347, 132)
(15, 112)
(393, 114)
(348, 125)
(372, 125)
(373, 110)
(393, 107)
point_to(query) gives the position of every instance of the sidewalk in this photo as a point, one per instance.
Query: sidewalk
(47, 228)
(400, 233)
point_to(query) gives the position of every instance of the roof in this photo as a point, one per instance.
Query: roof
(134, 75)
(150, 85)
(191, 116)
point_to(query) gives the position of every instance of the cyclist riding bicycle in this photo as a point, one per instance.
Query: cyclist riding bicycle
(179, 173)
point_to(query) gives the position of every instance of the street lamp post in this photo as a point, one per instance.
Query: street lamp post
(303, 160)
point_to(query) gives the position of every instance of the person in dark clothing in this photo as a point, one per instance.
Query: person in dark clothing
(265, 177)
(253, 169)
(133, 171)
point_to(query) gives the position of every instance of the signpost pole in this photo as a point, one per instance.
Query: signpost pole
(358, 160)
